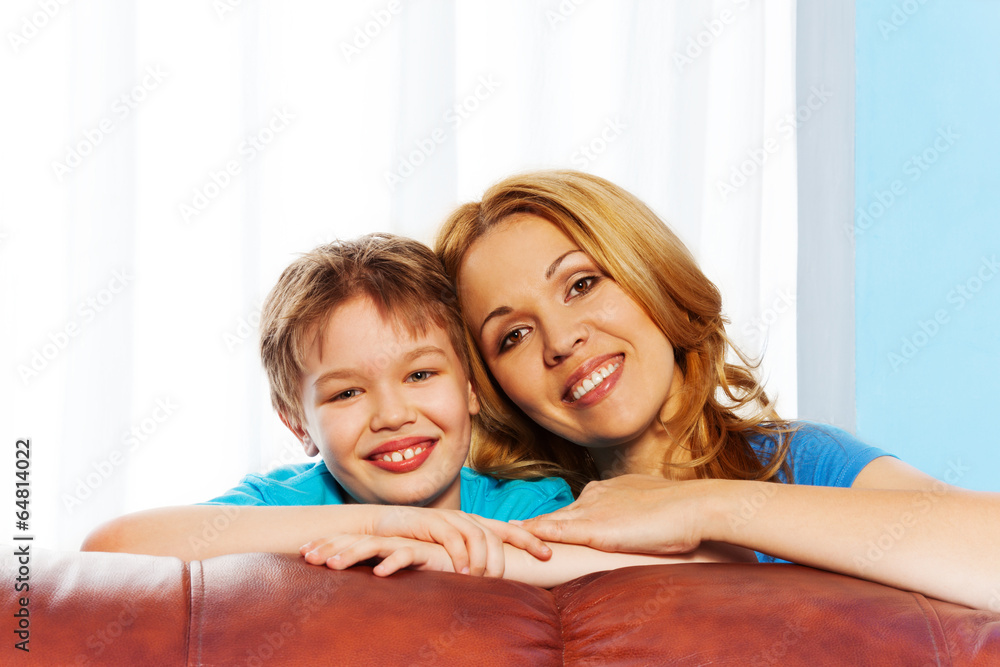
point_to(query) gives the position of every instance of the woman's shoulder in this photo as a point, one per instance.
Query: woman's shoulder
(820, 454)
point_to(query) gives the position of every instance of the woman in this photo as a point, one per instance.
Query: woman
(602, 355)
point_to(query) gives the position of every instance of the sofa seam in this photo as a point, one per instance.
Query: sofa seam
(195, 646)
(924, 605)
(562, 636)
(186, 585)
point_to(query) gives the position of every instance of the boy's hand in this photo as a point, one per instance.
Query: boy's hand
(474, 543)
(396, 553)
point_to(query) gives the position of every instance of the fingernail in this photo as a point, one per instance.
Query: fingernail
(465, 570)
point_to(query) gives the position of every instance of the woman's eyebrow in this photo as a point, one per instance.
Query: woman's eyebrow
(555, 265)
(496, 312)
(503, 310)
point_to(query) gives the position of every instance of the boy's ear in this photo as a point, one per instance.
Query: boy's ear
(300, 433)
(473, 400)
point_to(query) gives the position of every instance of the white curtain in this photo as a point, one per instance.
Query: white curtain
(164, 161)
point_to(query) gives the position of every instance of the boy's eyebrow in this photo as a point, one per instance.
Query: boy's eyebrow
(416, 353)
(503, 310)
(424, 351)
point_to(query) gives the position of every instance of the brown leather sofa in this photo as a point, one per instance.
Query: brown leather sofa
(268, 609)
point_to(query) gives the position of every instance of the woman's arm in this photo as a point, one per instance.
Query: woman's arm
(896, 526)
(570, 561)
(203, 531)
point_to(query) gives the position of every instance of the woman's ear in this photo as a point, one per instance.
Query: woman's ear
(300, 434)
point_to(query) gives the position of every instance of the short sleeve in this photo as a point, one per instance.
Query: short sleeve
(824, 455)
(246, 493)
(508, 499)
(298, 484)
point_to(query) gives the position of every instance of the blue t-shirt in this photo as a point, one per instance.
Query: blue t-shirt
(820, 455)
(312, 484)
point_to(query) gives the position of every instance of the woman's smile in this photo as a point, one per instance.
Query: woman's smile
(562, 339)
(583, 383)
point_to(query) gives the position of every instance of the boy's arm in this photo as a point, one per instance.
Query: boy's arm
(203, 531)
(568, 561)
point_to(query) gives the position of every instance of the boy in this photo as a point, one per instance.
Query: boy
(364, 351)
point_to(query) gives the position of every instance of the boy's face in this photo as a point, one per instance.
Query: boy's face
(387, 408)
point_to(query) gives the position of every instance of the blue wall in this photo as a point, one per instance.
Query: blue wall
(927, 235)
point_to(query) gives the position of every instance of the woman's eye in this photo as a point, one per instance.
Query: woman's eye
(512, 338)
(582, 286)
(344, 395)
(420, 376)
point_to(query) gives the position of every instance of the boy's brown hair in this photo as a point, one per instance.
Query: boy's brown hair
(403, 278)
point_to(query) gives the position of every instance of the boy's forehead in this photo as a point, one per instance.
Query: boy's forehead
(359, 328)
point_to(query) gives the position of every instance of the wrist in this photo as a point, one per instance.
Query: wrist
(721, 509)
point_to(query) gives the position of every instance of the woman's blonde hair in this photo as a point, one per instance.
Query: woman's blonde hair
(650, 263)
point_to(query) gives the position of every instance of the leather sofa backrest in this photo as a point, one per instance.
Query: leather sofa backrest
(259, 609)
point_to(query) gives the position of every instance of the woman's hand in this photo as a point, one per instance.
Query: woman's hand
(473, 543)
(631, 513)
(395, 553)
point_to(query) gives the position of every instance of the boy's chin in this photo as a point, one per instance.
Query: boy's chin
(427, 491)
(430, 494)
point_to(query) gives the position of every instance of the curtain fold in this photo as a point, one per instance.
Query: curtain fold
(172, 158)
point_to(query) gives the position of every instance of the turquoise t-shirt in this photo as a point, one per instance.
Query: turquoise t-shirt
(821, 455)
(312, 484)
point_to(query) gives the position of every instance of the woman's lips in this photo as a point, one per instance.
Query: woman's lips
(404, 459)
(596, 377)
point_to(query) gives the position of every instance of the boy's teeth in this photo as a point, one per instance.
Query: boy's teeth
(405, 455)
(593, 380)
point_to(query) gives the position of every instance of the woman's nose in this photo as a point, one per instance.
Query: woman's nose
(562, 337)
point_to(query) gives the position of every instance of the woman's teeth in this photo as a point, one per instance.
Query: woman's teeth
(405, 455)
(595, 378)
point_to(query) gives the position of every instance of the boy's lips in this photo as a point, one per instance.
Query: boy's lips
(403, 454)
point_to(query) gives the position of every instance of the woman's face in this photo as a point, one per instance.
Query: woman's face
(566, 344)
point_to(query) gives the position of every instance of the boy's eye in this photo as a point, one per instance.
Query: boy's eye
(344, 395)
(582, 286)
(420, 376)
(513, 338)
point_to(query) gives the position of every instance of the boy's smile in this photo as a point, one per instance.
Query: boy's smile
(387, 407)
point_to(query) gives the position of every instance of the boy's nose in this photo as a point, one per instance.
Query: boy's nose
(392, 411)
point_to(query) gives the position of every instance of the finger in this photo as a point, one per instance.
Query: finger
(559, 530)
(401, 558)
(494, 555)
(517, 536)
(318, 551)
(359, 551)
(476, 542)
(454, 542)
(429, 525)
